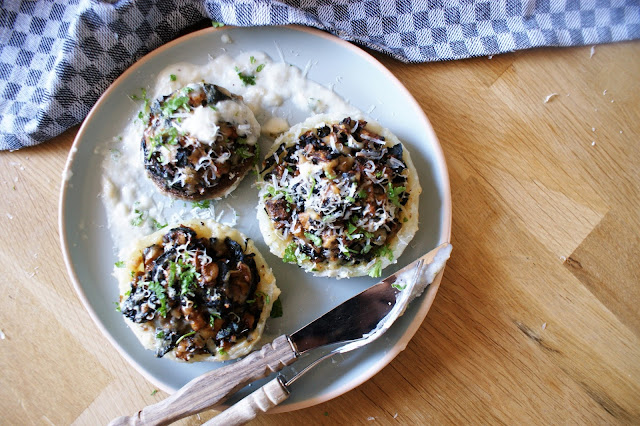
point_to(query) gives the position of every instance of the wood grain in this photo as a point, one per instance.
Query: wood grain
(214, 387)
(537, 319)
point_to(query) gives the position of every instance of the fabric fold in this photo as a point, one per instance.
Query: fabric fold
(57, 58)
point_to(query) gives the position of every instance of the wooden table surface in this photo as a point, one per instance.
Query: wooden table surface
(537, 320)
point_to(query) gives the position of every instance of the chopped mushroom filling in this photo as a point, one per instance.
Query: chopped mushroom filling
(190, 150)
(339, 192)
(199, 294)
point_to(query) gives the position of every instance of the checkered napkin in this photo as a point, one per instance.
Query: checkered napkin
(57, 57)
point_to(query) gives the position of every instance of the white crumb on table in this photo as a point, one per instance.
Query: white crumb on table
(563, 258)
(548, 98)
(371, 418)
(593, 129)
(2, 335)
(10, 216)
(593, 51)
(544, 325)
(35, 271)
(593, 143)
(604, 92)
(395, 416)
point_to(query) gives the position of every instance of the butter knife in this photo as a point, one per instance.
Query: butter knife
(356, 322)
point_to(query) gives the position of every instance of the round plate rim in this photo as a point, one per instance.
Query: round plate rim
(445, 232)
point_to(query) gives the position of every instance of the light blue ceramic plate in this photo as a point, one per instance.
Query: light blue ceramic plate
(357, 77)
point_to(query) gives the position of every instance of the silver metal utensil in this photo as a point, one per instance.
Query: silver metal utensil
(410, 282)
(356, 322)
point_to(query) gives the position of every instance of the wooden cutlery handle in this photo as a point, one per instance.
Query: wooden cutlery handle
(215, 386)
(260, 401)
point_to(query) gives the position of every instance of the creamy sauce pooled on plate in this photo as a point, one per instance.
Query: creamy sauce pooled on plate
(278, 94)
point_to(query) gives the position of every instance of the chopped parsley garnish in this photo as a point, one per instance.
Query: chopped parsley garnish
(376, 270)
(171, 136)
(362, 194)
(216, 24)
(204, 204)
(153, 392)
(191, 333)
(222, 351)
(273, 192)
(317, 241)
(119, 264)
(142, 97)
(351, 228)
(158, 225)
(247, 80)
(385, 251)
(143, 114)
(276, 309)
(172, 133)
(252, 59)
(185, 273)
(161, 294)
(290, 254)
(379, 174)
(264, 296)
(160, 334)
(398, 286)
(173, 77)
(405, 220)
(260, 67)
(138, 219)
(244, 152)
(173, 104)
(117, 306)
(394, 193)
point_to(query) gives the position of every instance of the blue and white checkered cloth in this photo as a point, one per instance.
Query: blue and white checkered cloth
(57, 57)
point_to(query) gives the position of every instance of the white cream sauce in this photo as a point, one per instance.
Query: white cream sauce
(281, 97)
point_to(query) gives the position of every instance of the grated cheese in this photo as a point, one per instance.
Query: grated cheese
(334, 210)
